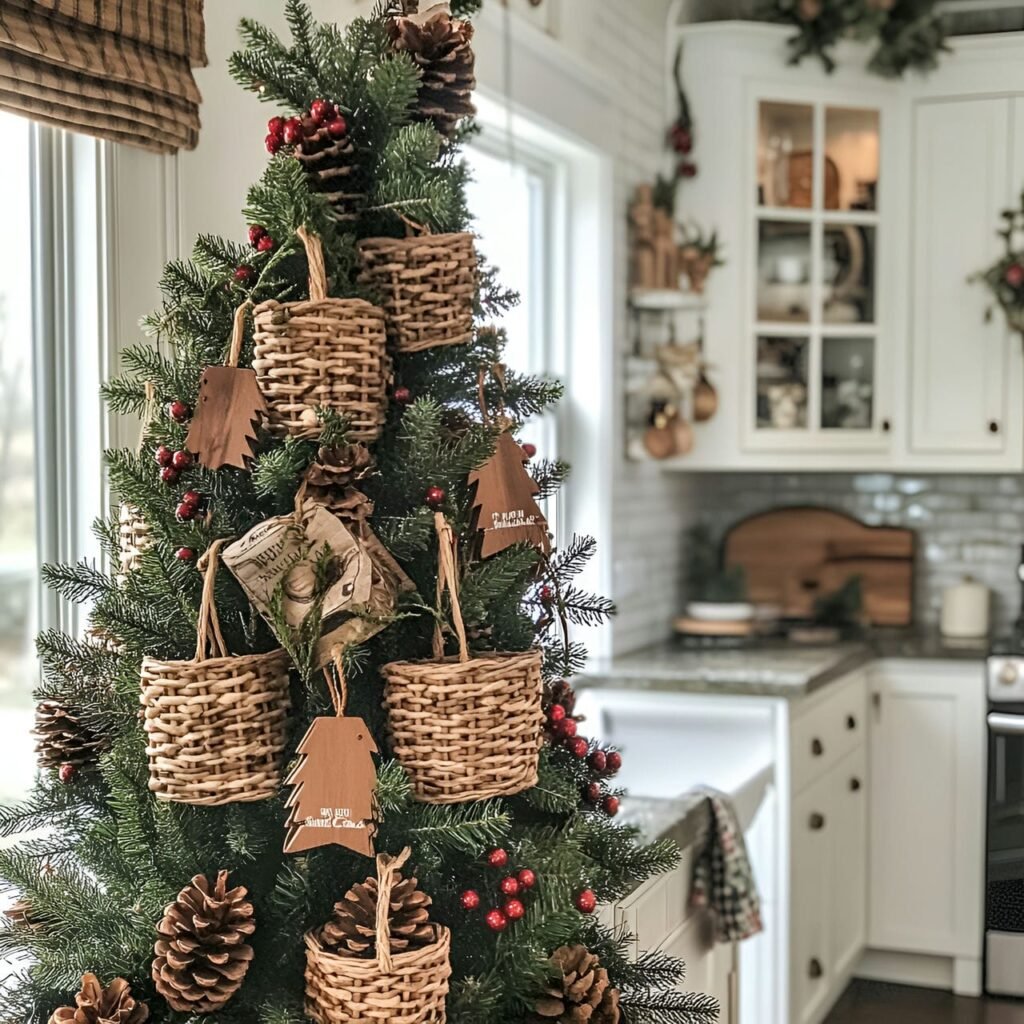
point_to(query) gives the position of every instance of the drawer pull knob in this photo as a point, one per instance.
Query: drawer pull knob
(851, 722)
(817, 748)
(854, 785)
(814, 968)
(817, 822)
(993, 426)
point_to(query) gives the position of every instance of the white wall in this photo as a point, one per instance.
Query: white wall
(596, 76)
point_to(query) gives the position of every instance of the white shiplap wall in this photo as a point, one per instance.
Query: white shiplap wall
(618, 45)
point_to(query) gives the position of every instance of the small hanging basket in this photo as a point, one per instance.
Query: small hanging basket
(465, 728)
(215, 726)
(428, 285)
(400, 988)
(322, 352)
(133, 538)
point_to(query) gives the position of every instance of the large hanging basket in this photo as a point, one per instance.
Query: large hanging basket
(401, 988)
(215, 726)
(322, 352)
(465, 728)
(428, 286)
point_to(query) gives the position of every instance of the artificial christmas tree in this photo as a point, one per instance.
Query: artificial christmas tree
(513, 857)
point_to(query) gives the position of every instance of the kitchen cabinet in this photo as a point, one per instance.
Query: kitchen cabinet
(927, 755)
(849, 860)
(842, 331)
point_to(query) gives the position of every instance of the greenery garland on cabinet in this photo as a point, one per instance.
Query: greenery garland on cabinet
(347, 518)
(1005, 278)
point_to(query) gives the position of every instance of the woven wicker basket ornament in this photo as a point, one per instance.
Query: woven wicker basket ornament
(428, 286)
(401, 988)
(215, 726)
(133, 537)
(322, 352)
(465, 728)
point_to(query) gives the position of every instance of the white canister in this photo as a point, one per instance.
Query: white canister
(965, 610)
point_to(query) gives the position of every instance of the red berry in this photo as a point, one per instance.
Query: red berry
(256, 232)
(265, 244)
(529, 450)
(185, 554)
(509, 886)
(682, 139)
(178, 411)
(67, 772)
(610, 806)
(169, 475)
(163, 455)
(273, 144)
(566, 728)
(470, 899)
(547, 595)
(320, 110)
(193, 498)
(292, 132)
(687, 169)
(586, 902)
(1014, 275)
(496, 920)
(614, 760)
(514, 910)
(578, 747)
(402, 395)
(275, 126)
(497, 858)
(244, 274)
(309, 127)
(185, 511)
(434, 497)
(337, 126)
(181, 460)
(556, 713)
(527, 878)
(598, 760)
(591, 792)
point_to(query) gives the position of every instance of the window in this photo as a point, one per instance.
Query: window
(514, 199)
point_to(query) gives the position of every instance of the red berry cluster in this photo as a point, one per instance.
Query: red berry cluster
(1014, 275)
(171, 464)
(260, 239)
(511, 889)
(293, 131)
(191, 505)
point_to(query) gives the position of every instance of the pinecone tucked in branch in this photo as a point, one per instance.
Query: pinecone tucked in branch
(353, 929)
(95, 1004)
(580, 991)
(330, 164)
(62, 738)
(332, 480)
(202, 955)
(441, 46)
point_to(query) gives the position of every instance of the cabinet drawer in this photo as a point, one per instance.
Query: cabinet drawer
(827, 733)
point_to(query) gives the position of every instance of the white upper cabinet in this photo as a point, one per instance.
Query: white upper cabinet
(842, 332)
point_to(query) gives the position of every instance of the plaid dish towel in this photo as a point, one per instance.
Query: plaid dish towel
(722, 878)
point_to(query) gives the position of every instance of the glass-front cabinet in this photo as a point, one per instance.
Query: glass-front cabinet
(814, 338)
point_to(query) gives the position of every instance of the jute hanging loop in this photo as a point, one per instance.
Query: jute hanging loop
(322, 353)
(215, 725)
(464, 728)
(400, 988)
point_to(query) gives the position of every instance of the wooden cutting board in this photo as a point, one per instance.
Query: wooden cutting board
(792, 556)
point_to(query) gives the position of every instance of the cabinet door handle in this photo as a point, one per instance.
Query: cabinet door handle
(993, 426)
(815, 969)
(886, 426)
(851, 722)
(817, 747)
(854, 785)
(816, 822)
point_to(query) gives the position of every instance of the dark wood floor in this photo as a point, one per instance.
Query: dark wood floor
(873, 1003)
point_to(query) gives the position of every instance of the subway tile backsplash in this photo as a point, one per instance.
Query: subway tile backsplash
(964, 524)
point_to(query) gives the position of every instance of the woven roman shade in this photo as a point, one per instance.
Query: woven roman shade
(117, 69)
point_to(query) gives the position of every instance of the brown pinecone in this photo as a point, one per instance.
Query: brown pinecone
(202, 955)
(95, 1004)
(331, 166)
(62, 738)
(441, 46)
(352, 931)
(579, 992)
(332, 478)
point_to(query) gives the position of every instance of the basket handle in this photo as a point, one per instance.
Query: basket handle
(387, 868)
(209, 635)
(238, 334)
(317, 268)
(448, 577)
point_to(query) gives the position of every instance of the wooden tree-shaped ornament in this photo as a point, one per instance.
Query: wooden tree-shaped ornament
(334, 799)
(229, 410)
(504, 509)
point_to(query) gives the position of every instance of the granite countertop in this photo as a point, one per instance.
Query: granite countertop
(684, 819)
(771, 669)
